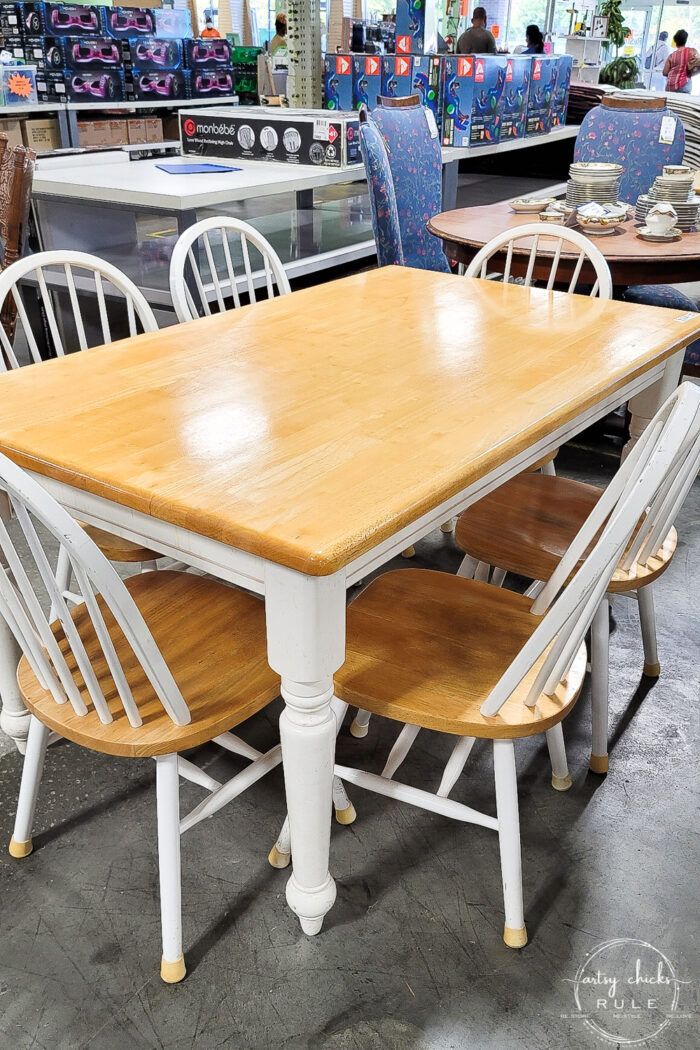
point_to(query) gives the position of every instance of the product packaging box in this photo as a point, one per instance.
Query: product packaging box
(416, 27)
(397, 76)
(12, 130)
(129, 22)
(151, 52)
(136, 130)
(560, 99)
(542, 85)
(15, 45)
(42, 135)
(210, 53)
(428, 82)
(158, 85)
(51, 85)
(62, 20)
(473, 85)
(516, 91)
(18, 85)
(95, 132)
(11, 19)
(300, 136)
(119, 132)
(95, 86)
(337, 82)
(173, 24)
(97, 52)
(44, 52)
(366, 80)
(154, 129)
(211, 83)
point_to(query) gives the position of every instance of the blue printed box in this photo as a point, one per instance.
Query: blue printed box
(542, 85)
(153, 53)
(516, 91)
(416, 27)
(560, 100)
(397, 76)
(428, 82)
(366, 80)
(473, 85)
(337, 82)
(128, 22)
(61, 19)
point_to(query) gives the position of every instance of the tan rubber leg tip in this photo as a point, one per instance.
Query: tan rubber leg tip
(410, 552)
(278, 859)
(357, 730)
(448, 526)
(515, 938)
(172, 972)
(561, 783)
(652, 670)
(20, 849)
(346, 816)
(599, 763)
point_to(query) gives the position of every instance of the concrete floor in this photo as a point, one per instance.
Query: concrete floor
(411, 956)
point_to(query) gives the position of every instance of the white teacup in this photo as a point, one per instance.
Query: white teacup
(661, 219)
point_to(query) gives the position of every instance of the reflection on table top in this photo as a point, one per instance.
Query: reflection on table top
(309, 428)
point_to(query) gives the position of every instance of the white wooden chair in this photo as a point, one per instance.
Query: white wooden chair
(211, 266)
(441, 652)
(120, 306)
(117, 674)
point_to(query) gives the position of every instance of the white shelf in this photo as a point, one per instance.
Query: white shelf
(63, 107)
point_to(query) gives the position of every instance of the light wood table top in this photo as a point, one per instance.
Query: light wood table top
(631, 260)
(308, 429)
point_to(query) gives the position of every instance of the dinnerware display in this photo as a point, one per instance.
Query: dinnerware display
(661, 218)
(688, 212)
(645, 234)
(531, 205)
(599, 219)
(593, 181)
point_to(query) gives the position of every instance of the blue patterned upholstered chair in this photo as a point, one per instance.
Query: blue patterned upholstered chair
(667, 295)
(414, 166)
(630, 136)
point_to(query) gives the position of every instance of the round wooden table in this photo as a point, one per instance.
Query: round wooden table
(631, 260)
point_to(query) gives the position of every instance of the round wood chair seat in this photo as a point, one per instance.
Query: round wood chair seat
(427, 648)
(115, 548)
(526, 525)
(213, 639)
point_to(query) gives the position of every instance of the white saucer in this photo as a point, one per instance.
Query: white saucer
(661, 238)
(530, 205)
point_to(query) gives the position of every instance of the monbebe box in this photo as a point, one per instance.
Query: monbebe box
(397, 76)
(208, 53)
(366, 80)
(293, 136)
(416, 27)
(560, 99)
(473, 85)
(152, 53)
(427, 82)
(513, 104)
(211, 83)
(542, 85)
(62, 20)
(130, 22)
(94, 86)
(337, 82)
(157, 85)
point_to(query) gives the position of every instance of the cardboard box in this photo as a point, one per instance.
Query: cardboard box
(11, 19)
(542, 85)
(50, 86)
(366, 80)
(95, 86)
(137, 130)
(560, 100)
(157, 86)
(428, 82)
(397, 76)
(42, 135)
(211, 83)
(337, 82)
(416, 27)
(154, 129)
(516, 91)
(119, 132)
(12, 130)
(152, 53)
(208, 53)
(15, 45)
(472, 93)
(302, 136)
(95, 133)
(171, 128)
(130, 22)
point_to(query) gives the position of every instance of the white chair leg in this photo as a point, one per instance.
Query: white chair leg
(468, 567)
(359, 726)
(561, 781)
(514, 932)
(37, 739)
(600, 642)
(647, 619)
(344, 809)
(172, 967)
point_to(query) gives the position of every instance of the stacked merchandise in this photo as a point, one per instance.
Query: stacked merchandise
(245, 74)
(674, 189)
(582, 98)
(597, 181)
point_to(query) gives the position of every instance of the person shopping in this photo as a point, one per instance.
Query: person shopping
(681, 64)
(535, 41)
(477, 40)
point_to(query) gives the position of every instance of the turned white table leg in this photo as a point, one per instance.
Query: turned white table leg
(306, 645)
(14, 717)
(644, 406)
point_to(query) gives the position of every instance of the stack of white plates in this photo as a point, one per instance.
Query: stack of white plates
(602, 191)
(687, 211)
(594, 170)
(672, 188)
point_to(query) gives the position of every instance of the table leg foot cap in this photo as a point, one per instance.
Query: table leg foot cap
(599, 763)
(358, 731)
(346, 816)
(515, 938)
(311, 926)
(278, 859)
(20, 849)
(651, 670)
(561, 783)
(173, 972)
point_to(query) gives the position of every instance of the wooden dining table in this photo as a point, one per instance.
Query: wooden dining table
(631, 260)
(293, 446)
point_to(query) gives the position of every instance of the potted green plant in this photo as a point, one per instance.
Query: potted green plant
(623, 71)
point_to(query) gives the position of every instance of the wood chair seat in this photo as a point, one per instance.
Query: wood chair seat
(526, 525)
(115, 548)
(212, 638)
(426, 648)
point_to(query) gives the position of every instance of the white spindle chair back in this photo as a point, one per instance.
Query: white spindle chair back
(22, 604)
(206, 274)
(649, 487)
(81, 276)
(540, 232)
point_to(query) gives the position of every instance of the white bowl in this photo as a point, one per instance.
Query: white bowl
(531, 205)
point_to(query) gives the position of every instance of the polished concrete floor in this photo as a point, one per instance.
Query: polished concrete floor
(411, 956)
